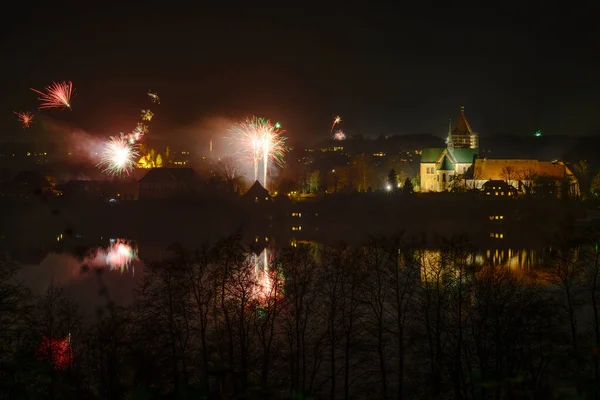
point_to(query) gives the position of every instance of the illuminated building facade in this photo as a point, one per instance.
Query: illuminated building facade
(439, 167)
(521, 173)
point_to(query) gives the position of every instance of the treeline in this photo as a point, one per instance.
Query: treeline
(388, 320)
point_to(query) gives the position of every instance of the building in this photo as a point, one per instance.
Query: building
(522, 173)
(462, 136)
(257, 193)
(498, 188)
(168, 182)
(28, 184)
(439, 167)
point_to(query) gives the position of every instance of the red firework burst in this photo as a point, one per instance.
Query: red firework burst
(56, 95)
(25, 118)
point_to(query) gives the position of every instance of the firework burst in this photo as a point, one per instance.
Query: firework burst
(336, 121)
(263, 141)
(118, 156)
(25, 118)
(56, 95)
(154, 97)
(139, 132)
(339, 135)
(147, 115)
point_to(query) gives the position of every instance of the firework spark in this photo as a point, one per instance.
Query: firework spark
(118, 156)
(138, 133)
(339, 135)
(25, 118)
(147, 115)
(154, 97)
(263, 141)
(56, 95)
(336, 121)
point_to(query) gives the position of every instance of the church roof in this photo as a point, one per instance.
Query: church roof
(464, 156)
(462, 125)
(496, 169)
(431, 155)
(445, 165)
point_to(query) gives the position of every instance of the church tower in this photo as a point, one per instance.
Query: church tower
(462, 136)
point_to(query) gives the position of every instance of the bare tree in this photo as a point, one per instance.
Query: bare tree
(509, 174)
(228, 170)
(526, 178)
(304, 331)
(566, 275)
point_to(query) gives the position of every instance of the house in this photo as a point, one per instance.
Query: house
(498, 188)
(28, 184)
(168, 182)
(257, 194)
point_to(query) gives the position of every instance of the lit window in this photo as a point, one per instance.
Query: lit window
(502, 217)
(496, 193)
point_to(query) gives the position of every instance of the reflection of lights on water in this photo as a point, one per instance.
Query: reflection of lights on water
(261, 273)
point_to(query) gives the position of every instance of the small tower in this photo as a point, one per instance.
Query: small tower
(463, 136)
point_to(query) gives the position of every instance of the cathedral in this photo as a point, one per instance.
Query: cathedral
(439, 166)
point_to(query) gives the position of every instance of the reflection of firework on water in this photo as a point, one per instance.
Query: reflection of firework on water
(262, 276)
(118, 156)
(120, 254)
(56, 95)
(154, 97)
(58, 351)
(336, 121)
(261, 140)
(147, 115)
(25, 118)
(339, 135)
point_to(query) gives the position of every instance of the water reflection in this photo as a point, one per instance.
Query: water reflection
(260, 263)
(433, 261)
(83, 273)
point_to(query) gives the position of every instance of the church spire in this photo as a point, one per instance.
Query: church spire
(449, 143)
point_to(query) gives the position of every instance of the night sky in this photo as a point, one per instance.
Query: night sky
(389, 70)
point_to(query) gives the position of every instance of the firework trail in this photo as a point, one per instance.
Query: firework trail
(262, 140)
(336, 121)
(154, 97)
(118, 156)
(248, 137)
(339, 135)
(56, 95)
(139, 132)
(147, 115)
(25, 118)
